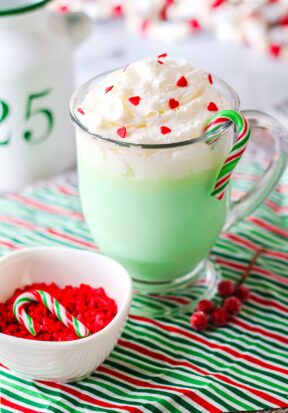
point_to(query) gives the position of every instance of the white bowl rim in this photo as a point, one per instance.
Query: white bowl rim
(70, 343)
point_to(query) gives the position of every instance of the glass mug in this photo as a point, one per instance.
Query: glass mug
(150, 206)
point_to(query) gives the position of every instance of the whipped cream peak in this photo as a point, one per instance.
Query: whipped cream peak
(152, 101)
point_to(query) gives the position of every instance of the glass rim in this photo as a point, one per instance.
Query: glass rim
(24, 7)
(202, 138)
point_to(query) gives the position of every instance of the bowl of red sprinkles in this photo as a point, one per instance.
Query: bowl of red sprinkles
(61, 311)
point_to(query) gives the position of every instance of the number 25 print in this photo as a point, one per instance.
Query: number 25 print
(32, 111)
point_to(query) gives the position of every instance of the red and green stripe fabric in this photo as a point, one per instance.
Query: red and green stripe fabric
(162, 365)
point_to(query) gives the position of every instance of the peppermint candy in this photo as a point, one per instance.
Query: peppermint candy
(52, 305)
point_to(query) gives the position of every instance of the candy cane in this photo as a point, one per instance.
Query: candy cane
(52, 305)
(243, 134)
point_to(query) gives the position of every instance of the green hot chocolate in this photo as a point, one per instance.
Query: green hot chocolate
(158, 229)
(150, 207)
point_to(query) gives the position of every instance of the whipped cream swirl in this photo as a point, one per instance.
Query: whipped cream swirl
(152, 101)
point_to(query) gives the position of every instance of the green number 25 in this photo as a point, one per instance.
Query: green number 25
(4, 112)
(32, 111)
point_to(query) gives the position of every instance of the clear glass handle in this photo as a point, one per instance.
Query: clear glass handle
(266, 157)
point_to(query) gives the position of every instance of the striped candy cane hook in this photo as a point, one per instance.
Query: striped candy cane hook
(52, 305)
(243, 134)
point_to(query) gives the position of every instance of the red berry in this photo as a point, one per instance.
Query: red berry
(206, 306)
(243, 293)
(219, 316)
(226, 288)
(199, 320)
(232, 305)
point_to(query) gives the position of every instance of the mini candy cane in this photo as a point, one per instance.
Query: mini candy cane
(53, 305)
(243, 134)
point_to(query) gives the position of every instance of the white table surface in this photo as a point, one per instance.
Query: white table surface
(260, 81)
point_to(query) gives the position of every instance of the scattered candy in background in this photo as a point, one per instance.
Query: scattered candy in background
(91, 306)
(261, 25)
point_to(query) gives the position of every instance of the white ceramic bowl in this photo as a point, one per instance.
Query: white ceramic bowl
(71, 360)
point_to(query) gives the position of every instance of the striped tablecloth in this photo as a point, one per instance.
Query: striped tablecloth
(161, 365)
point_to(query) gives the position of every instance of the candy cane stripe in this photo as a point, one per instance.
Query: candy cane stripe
(31, 325)
(78, 327)
(222, 181)
(43, 298)
(57, 311)
(234, 156)
(239, 147)
(245, 131)
(215, 121)
(51, 304)
(228, 167)
(20, 304)
(239, 143)
(221, 188)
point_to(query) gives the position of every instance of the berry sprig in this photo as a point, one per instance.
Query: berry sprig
(233, 296)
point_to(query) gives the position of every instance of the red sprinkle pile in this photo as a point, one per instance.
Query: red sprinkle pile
(90, 305)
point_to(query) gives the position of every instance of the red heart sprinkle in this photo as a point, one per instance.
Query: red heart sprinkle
(109, 88)
(210, 79)
(182, 82)
(80, 110)
(161, 63)
(212, 107)
(173, 103)
(162, 56)
(122, 132)
(165, 130)
(135, 100)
